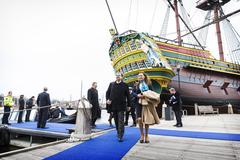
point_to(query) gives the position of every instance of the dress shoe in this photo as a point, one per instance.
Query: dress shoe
(120, 139)
(147, 140)
(179, 125)
(134, 125)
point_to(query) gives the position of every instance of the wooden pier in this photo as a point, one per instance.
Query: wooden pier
(169, 147)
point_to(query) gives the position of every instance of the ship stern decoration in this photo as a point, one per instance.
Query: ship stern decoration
(132, 52)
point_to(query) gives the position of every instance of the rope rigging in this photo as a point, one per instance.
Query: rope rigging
(153, 16)
(136, 22)
(190, 31)
(163, 31)
(186, 18)
(129, 14)
(232, 40)
(204, 32)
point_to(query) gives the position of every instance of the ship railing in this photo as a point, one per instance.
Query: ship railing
(128, 32)
(169, 41)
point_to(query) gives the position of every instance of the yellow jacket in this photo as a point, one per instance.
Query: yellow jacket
(8, 101)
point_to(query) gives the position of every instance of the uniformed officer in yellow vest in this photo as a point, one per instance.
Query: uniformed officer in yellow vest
(8, 103)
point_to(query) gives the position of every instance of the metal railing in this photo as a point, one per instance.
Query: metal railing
(13, 116)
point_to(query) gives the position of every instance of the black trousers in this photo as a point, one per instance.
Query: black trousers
(43, 116)
(6, 115)
(28, 112)
(178, 115)
(133, 114)
(20, 114)
(119, 122)
(95, 115)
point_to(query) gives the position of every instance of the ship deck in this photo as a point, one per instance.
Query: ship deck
(164, 144)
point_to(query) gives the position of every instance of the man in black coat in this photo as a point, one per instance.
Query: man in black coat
(29, 105)
(134, 104)
(21, 103)
(175, 102)
(43, 101)
(92, 97)
(119, 99)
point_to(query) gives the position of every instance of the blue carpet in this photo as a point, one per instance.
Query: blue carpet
(54, 127)
(195, 134)
(108, 148)
(104, 147)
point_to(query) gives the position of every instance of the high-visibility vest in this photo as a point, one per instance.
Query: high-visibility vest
(8, 101)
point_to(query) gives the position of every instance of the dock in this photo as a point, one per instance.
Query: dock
(162, 146)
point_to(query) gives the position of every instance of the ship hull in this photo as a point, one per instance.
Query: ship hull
(195, 93)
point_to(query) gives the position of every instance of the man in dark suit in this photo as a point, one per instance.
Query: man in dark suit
(93, 100)
(29, 105)
(44, 103)
(175, 102)
(119, 99)
(21, 103)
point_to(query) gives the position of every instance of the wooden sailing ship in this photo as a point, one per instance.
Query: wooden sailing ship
(190, 68)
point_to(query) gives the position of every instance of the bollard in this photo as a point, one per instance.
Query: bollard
(163, 110)
(169, 114)
(230, 110)
(4, 136)
(83, 121)
(196, 109)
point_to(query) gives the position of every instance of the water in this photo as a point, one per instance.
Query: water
(8, 148)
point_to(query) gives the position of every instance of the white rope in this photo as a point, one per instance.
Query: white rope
(129, 15)
(153, 16)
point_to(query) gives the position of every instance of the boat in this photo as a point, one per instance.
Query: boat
(189, 67)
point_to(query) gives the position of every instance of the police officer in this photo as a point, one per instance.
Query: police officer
(8, 103)
(43, 101)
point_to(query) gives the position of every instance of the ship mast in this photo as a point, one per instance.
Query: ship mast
(175, 8)
(177, 22)
(218, 31)
(112, 17)
(215, 5)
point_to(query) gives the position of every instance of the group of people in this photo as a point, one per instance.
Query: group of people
(43, 101)
(8, 103)
(140, 100)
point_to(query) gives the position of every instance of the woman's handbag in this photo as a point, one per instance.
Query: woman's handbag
(143, 101)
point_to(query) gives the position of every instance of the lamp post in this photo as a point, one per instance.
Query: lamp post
(178, 71)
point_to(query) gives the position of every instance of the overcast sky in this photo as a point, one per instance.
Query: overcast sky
(58, 43)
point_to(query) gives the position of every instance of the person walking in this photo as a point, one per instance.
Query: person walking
(8, 103)
(44, 103)
(134, 103)
(119, 100)
(146, 112)
(29, 105)
(92, 97)
(175, 103)
(108, 106)
(21, 103)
